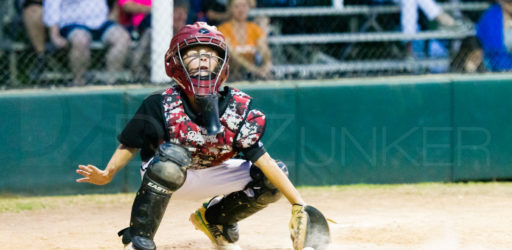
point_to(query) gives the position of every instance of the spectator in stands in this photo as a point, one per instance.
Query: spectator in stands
(409, 14)
(469, 58)
(409, 18)
(32, 13)
(113, 7)
(494, 30)
(180, 16)
(216, 10)
(247, 43)
(79, 23)
(196, 13)
(136, 16)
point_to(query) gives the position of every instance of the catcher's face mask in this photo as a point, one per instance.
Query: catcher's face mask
(202, 65)
(198, 60)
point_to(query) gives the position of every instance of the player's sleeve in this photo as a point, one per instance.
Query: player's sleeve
(249, 137)
(146, 129)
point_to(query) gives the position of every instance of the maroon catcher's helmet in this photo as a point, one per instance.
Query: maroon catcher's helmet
(197, 34)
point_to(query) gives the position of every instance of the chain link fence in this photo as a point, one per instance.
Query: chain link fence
(314, 39)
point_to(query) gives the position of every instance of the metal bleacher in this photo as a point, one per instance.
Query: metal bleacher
(12, 51)
(356, 10)
(312, 61)
(280, 41)
(366, 37)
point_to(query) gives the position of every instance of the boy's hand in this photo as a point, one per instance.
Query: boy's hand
(93, 175)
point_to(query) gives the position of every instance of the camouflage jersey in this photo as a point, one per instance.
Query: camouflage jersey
(241, 128)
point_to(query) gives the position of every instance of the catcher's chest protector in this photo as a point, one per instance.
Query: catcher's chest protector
(208, 150)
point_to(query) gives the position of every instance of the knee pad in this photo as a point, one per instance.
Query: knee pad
(164, 177)
(168, 168)
(239, 205)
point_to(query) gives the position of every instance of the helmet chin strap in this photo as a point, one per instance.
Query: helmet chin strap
(209, 112)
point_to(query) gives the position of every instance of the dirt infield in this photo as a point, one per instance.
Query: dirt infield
(424, 216)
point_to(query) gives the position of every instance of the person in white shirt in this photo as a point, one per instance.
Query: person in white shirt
(78, 23)
(409, 20)
(409, 14)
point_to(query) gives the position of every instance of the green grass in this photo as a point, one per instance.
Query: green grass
(16, 204)
(20, 204)
(419, 186)
(10, 203)
(476, 189)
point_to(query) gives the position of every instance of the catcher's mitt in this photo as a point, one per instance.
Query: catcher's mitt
(308, 228)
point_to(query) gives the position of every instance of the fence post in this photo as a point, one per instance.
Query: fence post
(161, 34)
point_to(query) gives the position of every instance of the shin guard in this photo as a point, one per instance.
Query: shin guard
(165, 174)
(148, 208)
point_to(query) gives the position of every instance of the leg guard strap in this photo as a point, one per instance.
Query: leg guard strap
(138, 243)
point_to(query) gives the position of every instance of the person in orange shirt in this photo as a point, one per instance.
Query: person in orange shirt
(247, 44)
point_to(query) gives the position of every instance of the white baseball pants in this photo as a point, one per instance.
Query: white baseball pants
(230, 176)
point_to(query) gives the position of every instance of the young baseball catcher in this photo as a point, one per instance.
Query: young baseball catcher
(188, 136)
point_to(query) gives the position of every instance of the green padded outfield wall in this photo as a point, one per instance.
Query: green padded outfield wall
(373, 132)
(482, 145)
(46, 134)
(388, 130)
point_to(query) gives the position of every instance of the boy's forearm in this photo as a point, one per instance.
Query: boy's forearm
(119, 159)
(269, 167)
